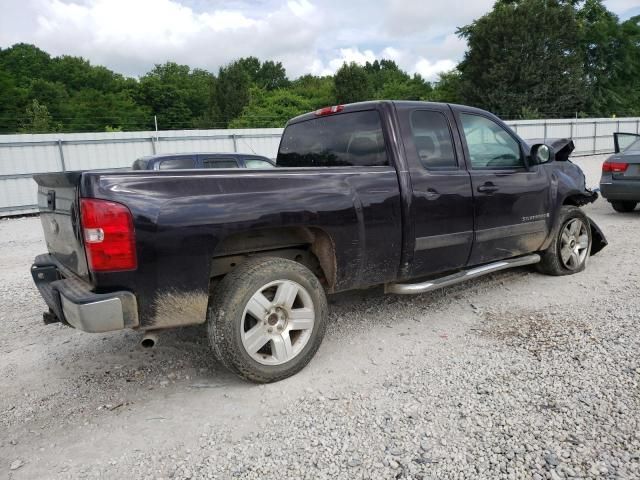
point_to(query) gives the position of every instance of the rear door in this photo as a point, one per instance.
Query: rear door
(511, 199)
(622, 141)
(442, 200)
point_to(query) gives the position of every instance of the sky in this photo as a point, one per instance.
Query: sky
(307, 36)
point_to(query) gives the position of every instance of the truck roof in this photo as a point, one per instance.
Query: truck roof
(355, 107)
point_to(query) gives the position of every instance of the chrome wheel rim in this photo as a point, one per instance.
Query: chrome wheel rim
(574, 244)
(277, 322)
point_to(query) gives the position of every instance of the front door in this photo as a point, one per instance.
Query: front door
(511, 199)
(442, 201)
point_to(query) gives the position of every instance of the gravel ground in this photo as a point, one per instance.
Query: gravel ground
(515, 375)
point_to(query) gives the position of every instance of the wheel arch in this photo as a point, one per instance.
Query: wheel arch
(311, 246)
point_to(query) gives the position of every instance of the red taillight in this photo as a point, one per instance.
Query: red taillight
(614, 167)
(109, 236)
(329, 110)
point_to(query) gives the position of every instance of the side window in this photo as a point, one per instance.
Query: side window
(490, 145)
(432, 139)
(219, 163)
(176, 163)
(255, 163)
(348, 139)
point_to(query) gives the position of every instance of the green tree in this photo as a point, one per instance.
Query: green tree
(524, 54)
(176, 94)
(447, 89)
(91, 111)
(37, 119)
(13, 101)
(352, 84)
(610, 52)
(25, 62)
(320, 91)
(271, 76)
(271, 109)
(231, 92)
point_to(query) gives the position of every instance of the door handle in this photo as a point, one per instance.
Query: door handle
(431, 194)
(488, 188)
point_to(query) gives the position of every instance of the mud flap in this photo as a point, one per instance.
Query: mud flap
(598, 241)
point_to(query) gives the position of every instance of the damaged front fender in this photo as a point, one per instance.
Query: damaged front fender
(598, 240)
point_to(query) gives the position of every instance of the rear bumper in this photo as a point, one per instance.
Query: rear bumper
(72, 301)
(621, 190)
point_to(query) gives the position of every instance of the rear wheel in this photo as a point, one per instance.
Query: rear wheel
(267, 318)
(624, 207)
(569, 250)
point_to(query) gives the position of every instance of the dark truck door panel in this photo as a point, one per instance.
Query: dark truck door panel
(511, 199)
(442, 201)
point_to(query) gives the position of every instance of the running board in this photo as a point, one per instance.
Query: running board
(411, 288)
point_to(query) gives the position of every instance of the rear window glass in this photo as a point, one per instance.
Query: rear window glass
(347, 139)
(219, 163)
(255, 163)
(176, 163)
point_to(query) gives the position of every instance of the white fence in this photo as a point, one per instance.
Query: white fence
(23, 155)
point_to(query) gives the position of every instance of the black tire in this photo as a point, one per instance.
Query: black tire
(624, 206)
(552, 262)
(227, 318)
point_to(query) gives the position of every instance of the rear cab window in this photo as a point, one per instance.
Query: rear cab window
(176, 163)
(352, 139)
(219, 163)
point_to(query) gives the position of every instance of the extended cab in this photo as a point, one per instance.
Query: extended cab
(411, 195)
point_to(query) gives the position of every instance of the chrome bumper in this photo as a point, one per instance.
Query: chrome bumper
(72, 302)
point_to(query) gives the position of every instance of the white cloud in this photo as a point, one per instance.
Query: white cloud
(301, 8)
(308, 36)
(349, 55)
(430, 70)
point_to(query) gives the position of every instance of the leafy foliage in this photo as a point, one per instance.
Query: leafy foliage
(525, 59)
(37, 119)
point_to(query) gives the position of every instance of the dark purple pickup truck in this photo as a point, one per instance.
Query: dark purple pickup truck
(411, 195)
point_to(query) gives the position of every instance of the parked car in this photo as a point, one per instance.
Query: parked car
(365, 194)
(620, 181)
(173, 161)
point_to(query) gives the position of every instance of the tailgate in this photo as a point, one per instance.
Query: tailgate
(59, 215)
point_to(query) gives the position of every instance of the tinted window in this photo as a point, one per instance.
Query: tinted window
(432, 139)
(255, 163)
(219, 163)
(490, 145)
(176, 163)
(347, 139)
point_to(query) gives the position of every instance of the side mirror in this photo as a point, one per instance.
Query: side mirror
(541, 153)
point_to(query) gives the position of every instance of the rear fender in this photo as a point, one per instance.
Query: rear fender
(598, 240)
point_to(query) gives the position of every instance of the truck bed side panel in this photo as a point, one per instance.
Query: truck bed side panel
(180, 217)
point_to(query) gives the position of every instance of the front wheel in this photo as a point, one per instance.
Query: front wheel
(624, 207)
(266, 319)
(570, 249)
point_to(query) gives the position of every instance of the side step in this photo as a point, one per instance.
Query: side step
(458, 277)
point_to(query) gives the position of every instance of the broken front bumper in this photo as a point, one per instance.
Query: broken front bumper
(71, 300)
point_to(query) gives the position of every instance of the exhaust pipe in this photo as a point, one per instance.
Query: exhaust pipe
(149, 340)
